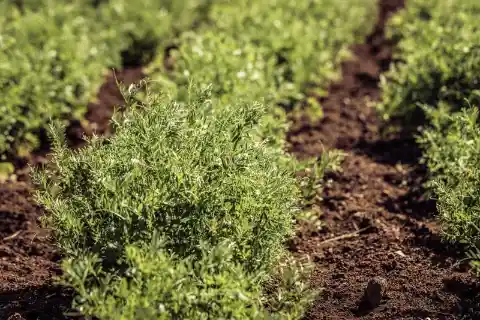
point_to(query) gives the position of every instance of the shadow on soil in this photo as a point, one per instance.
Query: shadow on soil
(39, 303)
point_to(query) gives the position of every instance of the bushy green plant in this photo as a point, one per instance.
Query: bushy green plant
(438, 54)
(237, 71)
(196, 175)
(190, 171)
(50, 67)
(437, 70)
(158, 285)
(54, 53)
(269, 51)
(452, 155)
(304, 41)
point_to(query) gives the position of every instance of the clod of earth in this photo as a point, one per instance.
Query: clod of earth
(374, 292)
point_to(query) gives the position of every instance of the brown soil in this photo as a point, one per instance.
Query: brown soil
(28, 259)
(376, 206)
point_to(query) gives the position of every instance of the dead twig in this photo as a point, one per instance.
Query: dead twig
(12, 236)
(345, 236)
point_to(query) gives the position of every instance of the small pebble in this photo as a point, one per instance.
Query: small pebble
(375, 290)
(400, 253)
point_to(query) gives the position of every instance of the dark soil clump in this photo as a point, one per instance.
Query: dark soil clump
(379, 207)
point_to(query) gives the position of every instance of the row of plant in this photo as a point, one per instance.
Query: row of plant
(436, 82)
(54, 55)
(185, 211)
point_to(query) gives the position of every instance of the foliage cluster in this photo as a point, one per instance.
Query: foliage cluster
(437, 73)
(50, 67)
(54, 55)
(452, 155)
(194, 174)
(439, 58)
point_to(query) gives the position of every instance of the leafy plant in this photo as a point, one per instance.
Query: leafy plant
(438, 58)
(452, 155)
(50, 67)
(308, 40)
(158, 285)
(192, 172)
(271, 51)
(54, 55)
(141, 30)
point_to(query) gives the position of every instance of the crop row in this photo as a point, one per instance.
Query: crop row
(184, 212)
(54, 55)
(436, 84)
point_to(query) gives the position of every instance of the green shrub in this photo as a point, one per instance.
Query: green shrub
(238, 71)
(156, 285)
(304, 41)
(50, 67)
(452, 155)
(197, 175)
(439, 57)
(269, 51)
(54, 54)
(192, 172)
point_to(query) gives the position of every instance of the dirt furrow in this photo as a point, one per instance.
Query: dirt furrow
(379, 225)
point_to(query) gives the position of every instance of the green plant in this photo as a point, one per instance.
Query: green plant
(437, 69)
(50, 67)
(158, 285)
(267, 50)
(238, 71)
(192, 172)
(308, 40)
(438, 58)
(54, 54)
(452, 154)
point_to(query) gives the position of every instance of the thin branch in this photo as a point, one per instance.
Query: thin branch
(345, 236)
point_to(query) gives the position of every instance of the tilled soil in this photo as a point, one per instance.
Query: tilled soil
(28, 258)
(378, 222)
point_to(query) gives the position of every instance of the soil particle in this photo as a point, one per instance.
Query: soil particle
(378, 222)
(28, 258)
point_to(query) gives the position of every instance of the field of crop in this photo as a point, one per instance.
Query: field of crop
(239, 159)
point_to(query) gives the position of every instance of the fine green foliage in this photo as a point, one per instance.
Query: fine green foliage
(139, 31)
(238, 71)
(192, 172)
(50, 67)
(307, 39)
(196, 175)
(54, 55)
(184, 212)
(439, 57)
(158, 286)
(452, 155)
(269, 51)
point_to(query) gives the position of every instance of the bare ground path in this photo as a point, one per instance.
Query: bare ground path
(386, 226)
